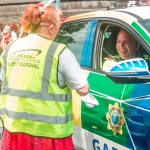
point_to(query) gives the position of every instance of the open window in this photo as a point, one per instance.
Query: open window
(110, 37)
(110, 32)
(108, 42)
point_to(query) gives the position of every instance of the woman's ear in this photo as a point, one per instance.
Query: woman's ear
(51, 28)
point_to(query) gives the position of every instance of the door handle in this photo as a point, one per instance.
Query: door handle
(89, 100)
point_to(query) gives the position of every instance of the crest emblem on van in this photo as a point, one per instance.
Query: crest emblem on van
(115, 118)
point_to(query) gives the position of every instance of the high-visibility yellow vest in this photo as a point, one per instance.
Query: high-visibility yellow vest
(33, 102)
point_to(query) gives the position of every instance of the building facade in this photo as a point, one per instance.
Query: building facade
(12, 10)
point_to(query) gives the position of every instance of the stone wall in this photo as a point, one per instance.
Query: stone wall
(12, 10)
(73, 8)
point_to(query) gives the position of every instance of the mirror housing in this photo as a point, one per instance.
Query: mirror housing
(130, 71)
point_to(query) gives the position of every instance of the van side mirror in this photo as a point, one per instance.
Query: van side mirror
(130, 71)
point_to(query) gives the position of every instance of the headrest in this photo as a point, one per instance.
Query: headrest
(111, 43)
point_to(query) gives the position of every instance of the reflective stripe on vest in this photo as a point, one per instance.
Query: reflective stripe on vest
(39, 113)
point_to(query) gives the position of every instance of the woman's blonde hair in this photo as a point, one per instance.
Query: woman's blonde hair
(34, 18)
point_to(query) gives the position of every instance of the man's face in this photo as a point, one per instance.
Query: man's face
(125, 45)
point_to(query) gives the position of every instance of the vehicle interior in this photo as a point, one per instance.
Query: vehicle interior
(110, 47)
(109, 44)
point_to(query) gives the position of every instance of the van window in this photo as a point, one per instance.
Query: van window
(73, 35)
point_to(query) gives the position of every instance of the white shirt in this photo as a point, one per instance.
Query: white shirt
(14, 35)
(69, 71)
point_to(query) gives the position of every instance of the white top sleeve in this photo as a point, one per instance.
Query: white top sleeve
(2, 76)
(69, 71)
(13, 35)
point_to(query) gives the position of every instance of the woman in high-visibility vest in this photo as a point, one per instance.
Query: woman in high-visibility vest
(35, 101)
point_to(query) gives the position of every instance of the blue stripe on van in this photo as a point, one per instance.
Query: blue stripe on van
(91, 43)
(86, 43)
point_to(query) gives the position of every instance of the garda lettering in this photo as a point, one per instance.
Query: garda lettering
(96, 146)
(23, 60)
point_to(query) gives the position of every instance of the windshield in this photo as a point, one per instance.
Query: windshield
(146, 24)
